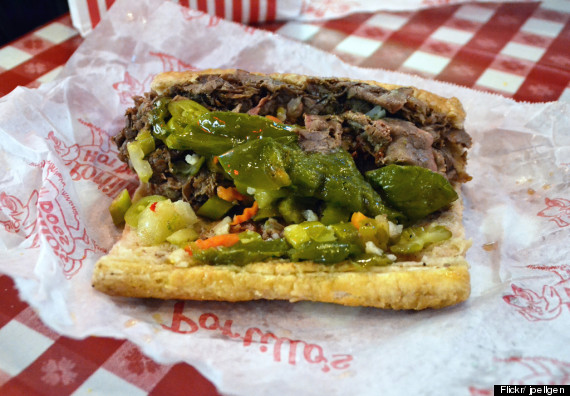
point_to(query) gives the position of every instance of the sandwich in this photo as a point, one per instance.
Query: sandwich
(291, 187)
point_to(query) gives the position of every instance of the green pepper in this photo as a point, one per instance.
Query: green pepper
(321, 252)
(345, 232)
(242, 127)
(415, 239)
(257, 164)
(157, 118)
(372, 260)
(291, 209)
(119, 207)
(186, 111)
(214, 133)
(267, 212)
(203, 143)
(132, 214)
(268, 198)
(214, 208)
(243, 253)
(183, 168)
(334, 213)
(413, 190)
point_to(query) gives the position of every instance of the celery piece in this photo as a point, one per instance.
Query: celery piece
(141, 166)
(182, 237)
(297, 234)
(133, 213)
(158, 221)
(146, 141)
(119, 207)
(415, 239)
(214, 208)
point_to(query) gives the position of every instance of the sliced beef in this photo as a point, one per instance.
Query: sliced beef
(321, 134)
(410, 145)
(392, 101)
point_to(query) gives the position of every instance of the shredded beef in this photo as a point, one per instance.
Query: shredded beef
(321, 134)
(330, 113)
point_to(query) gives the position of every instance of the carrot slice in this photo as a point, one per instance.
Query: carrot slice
(357, 219)
(230, 194)
(274, 119)
(225, 240)
(248, 213)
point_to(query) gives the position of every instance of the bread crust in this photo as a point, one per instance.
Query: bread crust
(436, 279)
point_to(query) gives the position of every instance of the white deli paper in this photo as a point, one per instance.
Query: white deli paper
(61, 172)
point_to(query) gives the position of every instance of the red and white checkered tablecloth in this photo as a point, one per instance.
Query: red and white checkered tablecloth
(518, 50)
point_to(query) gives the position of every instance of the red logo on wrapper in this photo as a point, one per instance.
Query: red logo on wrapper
(59, 223)
(190, 14)
(130, 86)
(320, 8)
(20, 218)
(282, 348)
(96, 162)
(546, 304)
(529, 370)
(557, 210)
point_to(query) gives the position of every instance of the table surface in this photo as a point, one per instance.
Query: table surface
(518, 50)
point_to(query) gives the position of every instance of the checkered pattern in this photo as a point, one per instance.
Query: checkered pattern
(35, 360)
(517, 50)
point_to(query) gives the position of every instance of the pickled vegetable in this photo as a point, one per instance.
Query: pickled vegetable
(182, 237)
(242, 253)
(298, 234)
(321, 252)
(146, 141)
(161, 219)
(214, 208)
(186, 111)
(133, 213)
(157, 118)
(415, 239)
(413, 190)
(291, 209)
(333, 214)
(214, 133)
(183, 168)
(257, 164)
(140, 165)
(268, 165)
(119, 207)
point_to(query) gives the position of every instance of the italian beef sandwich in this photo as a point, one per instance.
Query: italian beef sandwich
(291, 187)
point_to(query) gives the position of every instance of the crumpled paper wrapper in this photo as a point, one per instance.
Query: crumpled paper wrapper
(61, 172)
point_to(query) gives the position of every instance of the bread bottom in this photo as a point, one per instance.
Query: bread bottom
(437, 278)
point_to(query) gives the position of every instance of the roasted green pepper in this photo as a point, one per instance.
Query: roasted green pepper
(242, 253)
(413, 190)
(321, 252)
